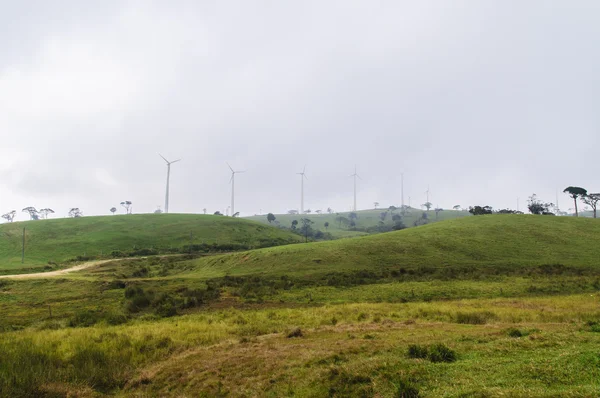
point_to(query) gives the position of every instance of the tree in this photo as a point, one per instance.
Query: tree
(536, 206)
(591, 199)
(329, 210)
(75, 212)
(427, 205)
(10, 216)
(308, 211)
(575, 193)
(218, 213)
(44, 212)
(352, 216)
(306, 228)
(33, 213)
(294, 224)
(270, 217)
(318, 212)
(113, 210)
(480, 210)
(376, 204)
(383, 216)
(342, 220)
(437, 210)
(236, 214)
(326, 225)
(392, 209)
(127, 205)
(396, 218)
(293, 212)
(204, 210)
(456, 207)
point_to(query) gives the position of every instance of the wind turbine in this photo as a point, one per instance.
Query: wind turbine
(168, 178)
(355, 175)
(232, 181)
(402, 189)
(302, 177)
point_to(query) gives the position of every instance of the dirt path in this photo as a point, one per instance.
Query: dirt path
(39, 275)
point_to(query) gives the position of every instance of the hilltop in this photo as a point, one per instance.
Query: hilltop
(481, 241)
(367, 221)
(60, 240)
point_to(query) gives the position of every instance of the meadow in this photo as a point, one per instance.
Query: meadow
(484, 306)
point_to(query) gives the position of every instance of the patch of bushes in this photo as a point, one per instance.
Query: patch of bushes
(434, 353)
(167, 304)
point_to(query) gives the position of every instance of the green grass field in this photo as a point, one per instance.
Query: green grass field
(366, 219)
(64, 239)
(486, 306)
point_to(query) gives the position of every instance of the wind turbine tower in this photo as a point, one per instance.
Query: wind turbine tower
(302, 177)
(355, 175)
(168, 178)
(232, 181)
(402, 189)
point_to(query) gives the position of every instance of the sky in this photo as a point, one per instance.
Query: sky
(480, 101)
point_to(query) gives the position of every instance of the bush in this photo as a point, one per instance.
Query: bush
(295, 333)
(514, 332)
(441, 353)
(84, 319)
(406, 389)
(417, 351)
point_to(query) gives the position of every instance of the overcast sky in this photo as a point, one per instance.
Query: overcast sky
(483, 101)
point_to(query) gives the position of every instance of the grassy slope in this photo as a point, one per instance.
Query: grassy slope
(366, 218)
(498, 240)
(62, 239)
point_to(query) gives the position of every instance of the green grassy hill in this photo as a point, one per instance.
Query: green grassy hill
(63, 239)
(366, 219)
(501, 305)
(486, 241)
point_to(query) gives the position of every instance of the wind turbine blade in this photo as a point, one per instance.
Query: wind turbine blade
(231, 179)
(304, 175)
(163, 158)
(230, 168)
(304, 169)
(175, 161)
(359, 176)
(243, 171)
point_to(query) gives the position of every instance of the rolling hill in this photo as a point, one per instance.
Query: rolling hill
(63, 239)
(482, 241)
(366, 219)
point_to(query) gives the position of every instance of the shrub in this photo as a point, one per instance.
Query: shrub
(295, 333)
(514, 332)
(417, 351)
(441, 353)
(84, 319)
(406, 389)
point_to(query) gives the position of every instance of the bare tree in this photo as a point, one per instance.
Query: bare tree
(10, 216)
(376, 204)
(591, 199)
(33, 213)
(44, 213)
(127, 205)
(75, 212)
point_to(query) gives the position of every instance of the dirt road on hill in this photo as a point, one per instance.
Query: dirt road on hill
(60, 272)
